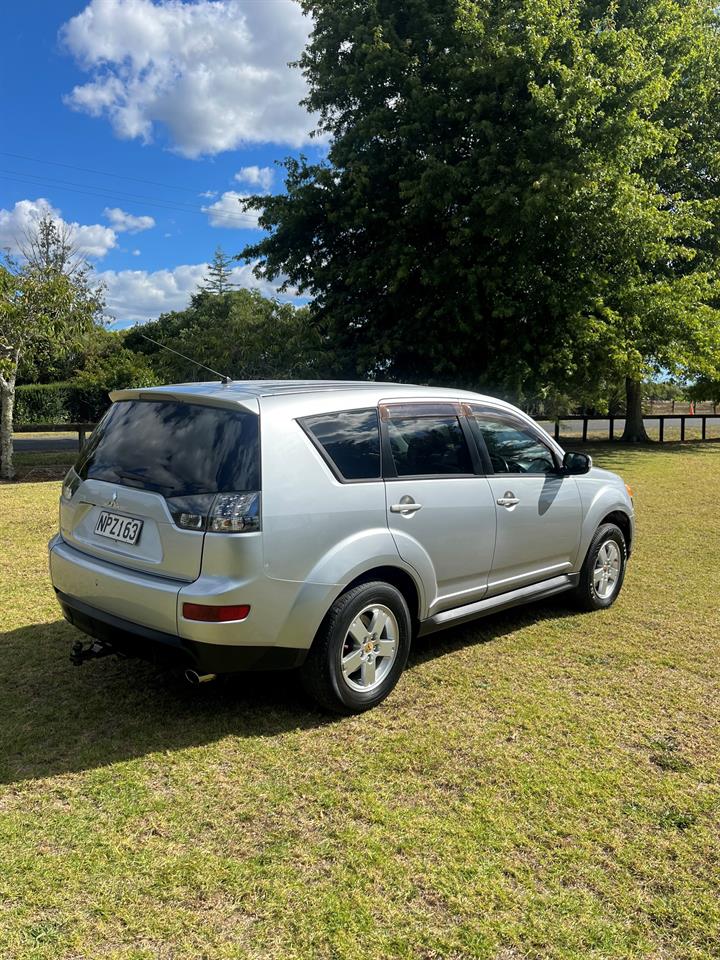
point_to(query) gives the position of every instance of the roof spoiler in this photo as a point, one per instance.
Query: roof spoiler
(232, 402)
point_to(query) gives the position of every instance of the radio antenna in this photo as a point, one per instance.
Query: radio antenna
(223, 377)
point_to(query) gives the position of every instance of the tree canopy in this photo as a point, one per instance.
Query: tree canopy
(49, 297)
(240, 333)
(516, 194)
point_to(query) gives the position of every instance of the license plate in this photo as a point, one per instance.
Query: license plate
(116, 527)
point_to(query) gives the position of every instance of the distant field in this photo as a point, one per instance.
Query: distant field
(542, 784)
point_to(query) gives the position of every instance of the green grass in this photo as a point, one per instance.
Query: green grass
(542, 784)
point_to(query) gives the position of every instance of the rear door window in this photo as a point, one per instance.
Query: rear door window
(429, 445)
(175, 449)
(349, 441)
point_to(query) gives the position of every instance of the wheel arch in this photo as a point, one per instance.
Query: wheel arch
(396, 577)
(621, 520)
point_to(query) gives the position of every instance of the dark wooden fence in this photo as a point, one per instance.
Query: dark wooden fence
(81, 429)
(701, 418)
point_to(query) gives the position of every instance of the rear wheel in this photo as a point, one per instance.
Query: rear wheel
(603, 571)
(360, 650)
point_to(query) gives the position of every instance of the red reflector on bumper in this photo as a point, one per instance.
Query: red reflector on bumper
(215, 614)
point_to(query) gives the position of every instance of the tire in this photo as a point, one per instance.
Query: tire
(591, 594)
(342, 673)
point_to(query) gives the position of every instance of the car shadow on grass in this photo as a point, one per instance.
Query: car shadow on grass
(57, 718)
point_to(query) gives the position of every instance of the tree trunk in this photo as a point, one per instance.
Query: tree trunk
(7, 406)
(634, 427)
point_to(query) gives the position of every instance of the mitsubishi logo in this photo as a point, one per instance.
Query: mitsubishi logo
(113, 500)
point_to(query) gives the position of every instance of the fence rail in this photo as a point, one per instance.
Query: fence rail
(677, 407)
(81, 429)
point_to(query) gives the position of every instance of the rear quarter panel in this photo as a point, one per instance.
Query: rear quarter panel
(318, 532)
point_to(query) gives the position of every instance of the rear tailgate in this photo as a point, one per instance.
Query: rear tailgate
(141, 490)
(161, 546)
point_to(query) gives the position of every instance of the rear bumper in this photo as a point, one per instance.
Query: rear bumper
(135, 640)
(139, 615)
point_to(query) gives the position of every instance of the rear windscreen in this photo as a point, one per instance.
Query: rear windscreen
(175, 449)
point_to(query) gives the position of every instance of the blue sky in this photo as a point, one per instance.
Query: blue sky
(140, 122)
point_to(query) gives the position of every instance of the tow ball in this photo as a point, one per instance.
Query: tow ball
(90, 651)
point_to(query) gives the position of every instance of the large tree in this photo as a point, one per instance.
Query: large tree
(49, 296)
(515, 193)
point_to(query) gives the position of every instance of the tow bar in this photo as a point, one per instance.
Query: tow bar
(91, 651)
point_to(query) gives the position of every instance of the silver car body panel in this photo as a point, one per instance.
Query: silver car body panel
(539, 536)
(462, 551)
(164, 549)
(451, 537)
(118, 590)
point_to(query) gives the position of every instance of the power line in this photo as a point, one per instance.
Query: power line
(102, 173)
(118, 196)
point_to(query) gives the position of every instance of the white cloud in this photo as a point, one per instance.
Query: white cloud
(255, 176)
(214, 73)
(91, 240)
(136, 253)
(139, 295)
(124, 222)
(228, 212)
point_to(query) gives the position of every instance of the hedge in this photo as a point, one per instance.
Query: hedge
(59, 403)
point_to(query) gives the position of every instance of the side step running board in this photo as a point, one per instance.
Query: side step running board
(481, 608)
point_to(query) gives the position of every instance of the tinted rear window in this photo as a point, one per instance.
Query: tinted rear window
(351, 440)
(428, 446)
(175, 449)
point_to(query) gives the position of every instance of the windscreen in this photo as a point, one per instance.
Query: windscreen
(176, 449)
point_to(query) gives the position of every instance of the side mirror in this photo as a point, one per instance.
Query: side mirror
(576, 463)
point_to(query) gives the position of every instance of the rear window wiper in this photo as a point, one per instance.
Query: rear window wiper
(143, 479)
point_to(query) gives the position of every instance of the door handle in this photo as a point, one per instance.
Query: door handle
(509, 500)
(406, 507)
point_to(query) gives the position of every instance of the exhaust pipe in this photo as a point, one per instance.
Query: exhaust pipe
(195, 679)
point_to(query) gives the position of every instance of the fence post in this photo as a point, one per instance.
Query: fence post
(661, 430)
(557, 428)
(585, 425)
(682, 428)
(704, 428)
(611, 428)
(81, 439)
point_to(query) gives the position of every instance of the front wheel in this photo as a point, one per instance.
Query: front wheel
(603, 571)
(360, 650)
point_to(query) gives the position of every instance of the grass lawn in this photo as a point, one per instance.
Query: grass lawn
(542, 784)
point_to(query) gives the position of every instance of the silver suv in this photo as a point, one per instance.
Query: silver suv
(321, 525)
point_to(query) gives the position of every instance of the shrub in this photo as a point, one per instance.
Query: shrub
(59, 403)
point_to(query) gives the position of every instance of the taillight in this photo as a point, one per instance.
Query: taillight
(219, 513)
(211, 613)
(235, 513)
(191, 512)
(70, 484)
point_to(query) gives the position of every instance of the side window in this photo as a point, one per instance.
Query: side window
(428, 446)
(351, 440)
(512, 448)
